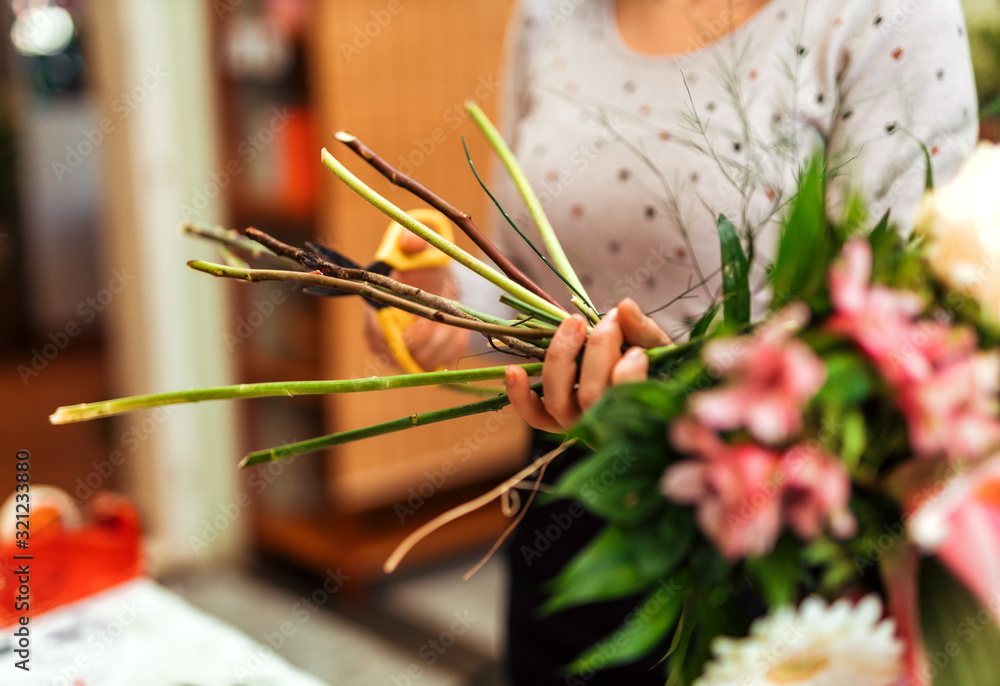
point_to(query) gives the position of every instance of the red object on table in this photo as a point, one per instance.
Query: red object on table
(67, 564)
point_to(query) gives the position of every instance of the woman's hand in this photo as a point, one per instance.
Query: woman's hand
(603, 365)
(431, 344)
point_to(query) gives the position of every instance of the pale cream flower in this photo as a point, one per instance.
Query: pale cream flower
(814, 645)
(961, 221)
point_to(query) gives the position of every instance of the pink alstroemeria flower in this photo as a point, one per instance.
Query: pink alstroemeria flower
(736, 489)
(946, 391)
(770, 376)
(879, 319)
(962, 527)
(818, 490)
(744, 492)
(954, 411)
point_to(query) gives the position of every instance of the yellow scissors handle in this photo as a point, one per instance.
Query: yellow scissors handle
(390, 252)
(392, 321)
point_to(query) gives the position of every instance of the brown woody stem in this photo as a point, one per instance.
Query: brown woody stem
(461, 219)
(312, 261)
(382, 297)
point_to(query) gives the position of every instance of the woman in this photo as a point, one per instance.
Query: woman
(638, 123)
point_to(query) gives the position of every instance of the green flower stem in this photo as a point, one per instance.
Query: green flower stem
(432, 237)
(667, 353)
(461, 219)
(591, 314)
(548, 234)
(525, 308)
(492, 319)
(413, 420)
(107, 408)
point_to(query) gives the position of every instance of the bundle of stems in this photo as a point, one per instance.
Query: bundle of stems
(527, 336)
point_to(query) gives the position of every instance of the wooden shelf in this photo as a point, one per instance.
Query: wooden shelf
(352, 524)
(360, 543)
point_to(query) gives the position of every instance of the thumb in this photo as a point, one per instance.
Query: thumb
(638, 328)
(411, 243)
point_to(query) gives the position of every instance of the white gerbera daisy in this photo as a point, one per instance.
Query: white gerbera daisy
(814, 645)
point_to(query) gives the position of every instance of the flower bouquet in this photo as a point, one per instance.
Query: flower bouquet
(812, 498)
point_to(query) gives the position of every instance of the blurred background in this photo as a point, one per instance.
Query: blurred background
(120, 120)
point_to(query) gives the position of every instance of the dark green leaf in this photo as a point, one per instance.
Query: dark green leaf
(962, 637)
(619, 482)
(701, 327)
(735, 276)
(854, 439)
(679, 648)
(777, 575)
(646, 628)
(804, 248)
(601, 571)
(848, 380)
(623, 560)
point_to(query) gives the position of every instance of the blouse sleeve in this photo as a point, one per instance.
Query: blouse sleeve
(903, 76)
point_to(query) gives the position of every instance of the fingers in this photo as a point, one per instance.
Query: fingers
(435, 345)
(603, 365)
(527, 403)
(638, 328)
(560, 368)
(411, 243)
(632, 367)
(603, 352)
(438, 280)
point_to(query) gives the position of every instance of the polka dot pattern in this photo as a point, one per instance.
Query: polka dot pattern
(637, 155)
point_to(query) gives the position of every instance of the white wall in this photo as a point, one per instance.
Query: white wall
(152, 70)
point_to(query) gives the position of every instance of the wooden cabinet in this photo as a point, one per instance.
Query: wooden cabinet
(396, 73)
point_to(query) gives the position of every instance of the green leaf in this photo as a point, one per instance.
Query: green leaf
(601, 571)
(735, 275)
(848, 380)
(619, 482)
(679, 648)
(658, 548)
(778, 574)
(886, 247)
(701, 327)
(628, 431)
(962, 640)
(623, 560)
(647, 627)
(855, 439)
(804, 249)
